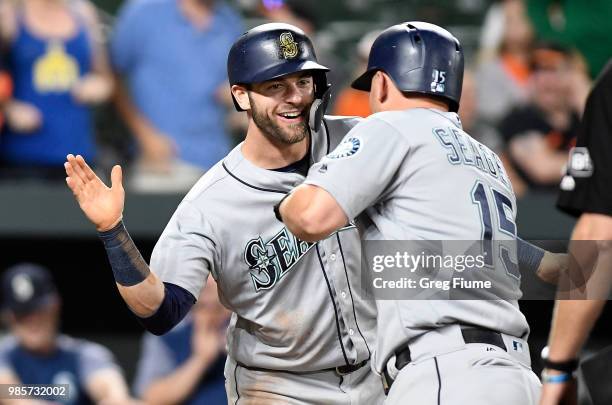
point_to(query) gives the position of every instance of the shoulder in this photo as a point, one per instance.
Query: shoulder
(87, 10)
(401, 121)
(376, 124)
(341, 121)
(205, 188)
(141, 8)
(8, 21)
(338, 126)
(7, 344)
(207, 197)
(228, 14)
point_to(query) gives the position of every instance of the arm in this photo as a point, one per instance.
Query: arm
(533, 155)
(177, 386)
(311, 213)
(573, 320)
(130, 36)
(157, 148)
(159, 306)
(97, 86)
(108, 386)
(142, 291)
(548, 266)
(7, 377)
(159, 379)
(327, 201)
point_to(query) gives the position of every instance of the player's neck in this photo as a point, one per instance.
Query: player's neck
(407, 103)
(263, 151)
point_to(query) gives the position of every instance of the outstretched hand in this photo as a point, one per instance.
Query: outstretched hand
(102, 205)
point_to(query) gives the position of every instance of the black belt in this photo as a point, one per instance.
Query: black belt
(470, 335)
(349, 368)
(340, 370)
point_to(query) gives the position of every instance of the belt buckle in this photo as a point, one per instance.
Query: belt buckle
(342, 370)
(348, 368)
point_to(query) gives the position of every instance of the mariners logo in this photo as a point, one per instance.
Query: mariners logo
(288, 46)
(270, 261)
(346, 148)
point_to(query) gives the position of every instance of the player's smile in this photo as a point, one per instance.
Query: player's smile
(292, 117)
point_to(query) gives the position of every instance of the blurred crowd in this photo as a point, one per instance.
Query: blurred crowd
(161, 65)
(183, 366)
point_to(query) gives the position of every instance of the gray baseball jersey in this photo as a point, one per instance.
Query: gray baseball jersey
(419, 176)
(294, 306)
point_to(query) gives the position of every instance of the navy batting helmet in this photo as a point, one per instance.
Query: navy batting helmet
(420, 58)
(270, 51)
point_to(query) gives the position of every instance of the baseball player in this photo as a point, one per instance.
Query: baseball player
(416, 175)
(300, 331)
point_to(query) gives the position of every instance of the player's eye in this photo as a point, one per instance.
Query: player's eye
(275, 86)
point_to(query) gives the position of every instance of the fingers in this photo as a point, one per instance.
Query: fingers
(73, 180)
(77, 170)
(72, 184)
(89, 174)
(116, 177)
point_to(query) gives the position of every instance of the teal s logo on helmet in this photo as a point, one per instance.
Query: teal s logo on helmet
(288, 46)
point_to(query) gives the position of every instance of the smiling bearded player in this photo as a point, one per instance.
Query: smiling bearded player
(299, 333)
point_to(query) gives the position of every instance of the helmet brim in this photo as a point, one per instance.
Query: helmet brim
(364, 82)
(287, 68)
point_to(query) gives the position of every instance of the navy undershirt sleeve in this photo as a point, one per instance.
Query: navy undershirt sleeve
(529, 256)
(177, 302)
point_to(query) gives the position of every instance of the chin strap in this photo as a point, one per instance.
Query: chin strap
(317, 111)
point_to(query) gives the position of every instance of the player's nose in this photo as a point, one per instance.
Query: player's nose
(294, 95)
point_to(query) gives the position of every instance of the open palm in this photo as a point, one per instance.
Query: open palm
(102, 205)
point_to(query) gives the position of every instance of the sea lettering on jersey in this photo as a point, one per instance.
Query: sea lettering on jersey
(269, 261)
(463, 149)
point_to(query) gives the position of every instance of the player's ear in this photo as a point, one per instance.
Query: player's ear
(379, 87)
(242, 97)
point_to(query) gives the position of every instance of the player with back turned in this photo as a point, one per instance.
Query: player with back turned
(299, 332)
(416, 175)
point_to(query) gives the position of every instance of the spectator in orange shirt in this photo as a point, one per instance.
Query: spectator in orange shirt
(539, 134)
(503, 73)
(356, 102)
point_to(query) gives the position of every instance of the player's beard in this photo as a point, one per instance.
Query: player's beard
(295, 133)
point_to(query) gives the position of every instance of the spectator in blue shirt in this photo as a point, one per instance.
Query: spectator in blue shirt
(58, 64)
(186, 364)
(36, 353)
(170, 56)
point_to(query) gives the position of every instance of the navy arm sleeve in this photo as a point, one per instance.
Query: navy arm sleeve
(177, 302)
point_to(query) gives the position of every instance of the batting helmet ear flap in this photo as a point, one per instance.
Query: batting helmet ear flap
(317, 110)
